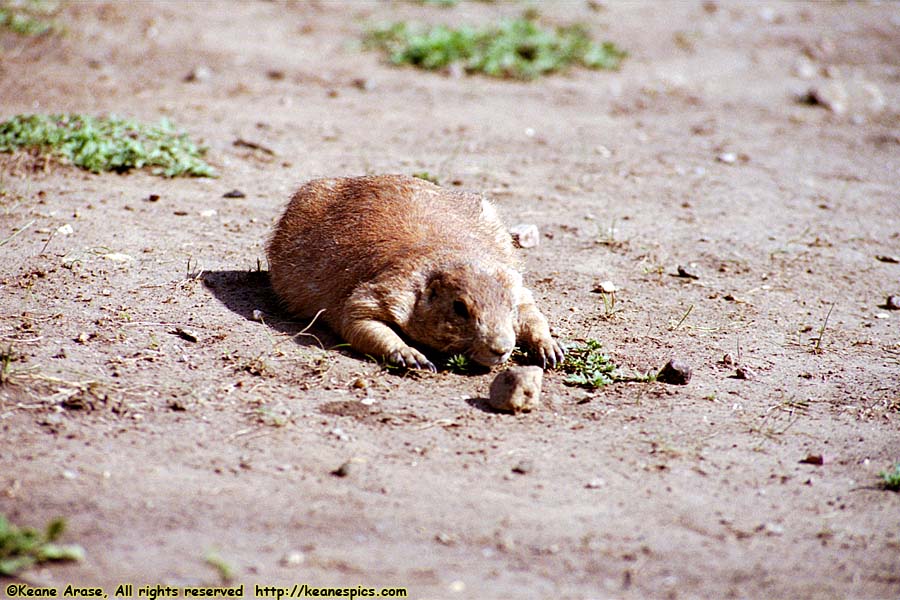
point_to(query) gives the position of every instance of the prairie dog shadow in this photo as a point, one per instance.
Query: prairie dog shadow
(245, 292)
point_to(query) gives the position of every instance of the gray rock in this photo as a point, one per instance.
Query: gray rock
(517, 389)
(675, 372)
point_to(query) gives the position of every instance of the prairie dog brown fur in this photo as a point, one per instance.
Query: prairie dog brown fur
(387, 256)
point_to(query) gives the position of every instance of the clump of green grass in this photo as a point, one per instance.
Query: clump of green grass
(441, 3)
(28, 17)
(588, 367)
(459, 363)
(106, 144)
(21, 548)
(891, 479)
(426, 176)
(519, 48)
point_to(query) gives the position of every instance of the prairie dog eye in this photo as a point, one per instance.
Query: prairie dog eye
(460, 308)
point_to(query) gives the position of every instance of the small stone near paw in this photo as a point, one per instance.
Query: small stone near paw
(525, 235)
(675, 372)
(517, 389)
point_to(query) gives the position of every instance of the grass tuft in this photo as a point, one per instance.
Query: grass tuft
(427, 177)
(106, 144)
(22, 548)
(28, 17)
(588, 367)
(518, 49)
(890, 480)
(459, 363)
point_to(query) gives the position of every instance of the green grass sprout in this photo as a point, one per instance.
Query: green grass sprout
(22, 548)
(28, 17)
(224, 569)
(459, 363)
(891, 479)
(589, 368)
(106, 144)
(426, 176)
(518, 48)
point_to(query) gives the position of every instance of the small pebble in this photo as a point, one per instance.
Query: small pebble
(832, 98)
(523, 467)
(343, 470)
(364, 83)
(118, 257)
(293, 559)
(816, 459)
(199, 73)
(517, 389)
(234, 194)
(683, 272)
(729, 158)
(525, 235)
(804, 68)
(743, 373)
(892, 303)
(675, 372)
(605, 287)
(185, 334)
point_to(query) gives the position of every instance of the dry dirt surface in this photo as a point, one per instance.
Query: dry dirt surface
(160, 401)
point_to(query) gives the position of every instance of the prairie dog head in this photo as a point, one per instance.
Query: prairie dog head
(469, 309)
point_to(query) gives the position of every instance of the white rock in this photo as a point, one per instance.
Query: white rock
(118, 257)
(525, 235)
(607, 287)
(729, 158)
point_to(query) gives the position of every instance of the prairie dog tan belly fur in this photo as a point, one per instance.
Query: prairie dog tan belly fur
(389, 257)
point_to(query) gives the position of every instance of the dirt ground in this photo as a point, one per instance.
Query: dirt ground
(159, 449)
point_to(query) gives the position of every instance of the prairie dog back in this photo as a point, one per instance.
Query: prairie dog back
(339, 232)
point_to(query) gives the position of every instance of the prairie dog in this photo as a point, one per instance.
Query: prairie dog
(390, 258)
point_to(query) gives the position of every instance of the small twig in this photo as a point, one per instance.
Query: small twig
(817, 349)
(49, 239)
(18, 231)
(685, 316)
(242, 143)
(303, 331)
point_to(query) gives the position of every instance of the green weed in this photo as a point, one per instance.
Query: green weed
(28, 17)
(21, 548)
(106, 144)
(459, 363)
(518, 49)
(426, 176)
(7, 357)
(891, 479)
(224, 569)
(588, 367)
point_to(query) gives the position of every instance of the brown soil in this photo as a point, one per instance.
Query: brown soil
(159, 449)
